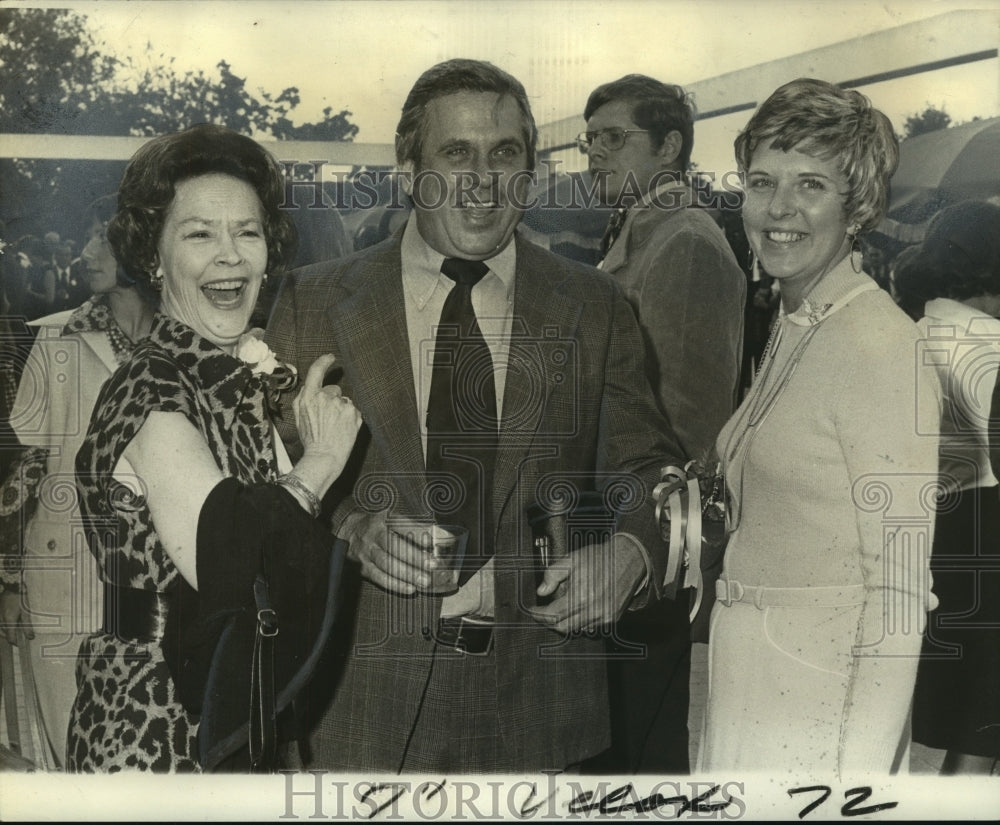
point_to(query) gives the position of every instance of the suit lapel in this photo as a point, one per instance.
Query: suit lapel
(641, 221)
(369, 323)
(541, 357)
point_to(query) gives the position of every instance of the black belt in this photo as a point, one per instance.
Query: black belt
(466, 634)
(135, 615)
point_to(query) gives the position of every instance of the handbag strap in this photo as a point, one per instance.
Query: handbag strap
(263, 721)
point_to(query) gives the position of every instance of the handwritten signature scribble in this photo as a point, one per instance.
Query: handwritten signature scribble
(379, 796)
(615, 802)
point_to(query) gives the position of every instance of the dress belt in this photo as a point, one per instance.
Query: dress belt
(728, 591)
(135, 615)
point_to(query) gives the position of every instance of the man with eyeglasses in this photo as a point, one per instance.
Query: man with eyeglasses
(681, 278)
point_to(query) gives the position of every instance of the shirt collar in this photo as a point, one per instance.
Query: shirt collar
(422, 265)
(93, 315)
(830, 293)
(659, 191)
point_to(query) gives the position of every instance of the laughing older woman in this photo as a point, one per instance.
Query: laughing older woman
(184, 485)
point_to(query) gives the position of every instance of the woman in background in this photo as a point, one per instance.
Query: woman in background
(806, 675)
(955, 280)
(58, 599)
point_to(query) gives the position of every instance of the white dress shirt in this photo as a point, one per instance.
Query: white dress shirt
(425, 289)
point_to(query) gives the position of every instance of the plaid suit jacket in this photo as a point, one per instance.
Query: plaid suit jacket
(576, 405)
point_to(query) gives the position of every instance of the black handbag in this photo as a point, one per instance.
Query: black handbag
(267, 601)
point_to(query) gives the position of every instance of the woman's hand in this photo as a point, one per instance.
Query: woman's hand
(328, 424)
(12, 617)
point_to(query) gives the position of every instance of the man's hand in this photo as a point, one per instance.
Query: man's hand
(390, 552)
(11, 617)
(600, 581)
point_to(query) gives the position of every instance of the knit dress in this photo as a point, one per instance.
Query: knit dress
(831, 467)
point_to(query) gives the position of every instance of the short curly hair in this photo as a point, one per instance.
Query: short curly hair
(150, 183)
(825, 121)
(659, 107)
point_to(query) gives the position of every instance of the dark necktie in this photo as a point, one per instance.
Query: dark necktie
(613, 231)
(462, 417)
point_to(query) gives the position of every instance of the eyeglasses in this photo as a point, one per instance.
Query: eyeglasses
(612, 139)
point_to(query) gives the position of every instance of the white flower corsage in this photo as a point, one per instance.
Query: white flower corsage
(277, 377)
(251, 349)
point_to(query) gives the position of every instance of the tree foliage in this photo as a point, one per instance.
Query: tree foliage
(52, 71)
(929, 120)
(57, 79)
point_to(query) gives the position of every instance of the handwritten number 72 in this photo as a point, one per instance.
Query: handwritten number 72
(849, 808)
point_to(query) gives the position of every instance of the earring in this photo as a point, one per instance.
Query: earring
(754, 267)
(156, 280)
(264, 279)
(857, 254)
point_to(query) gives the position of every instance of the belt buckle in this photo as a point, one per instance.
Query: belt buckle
(734, 592)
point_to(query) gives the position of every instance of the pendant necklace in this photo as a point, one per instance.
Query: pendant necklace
(762, 402)
(763, 399)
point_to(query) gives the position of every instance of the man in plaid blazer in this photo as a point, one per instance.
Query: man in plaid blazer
(506, 674)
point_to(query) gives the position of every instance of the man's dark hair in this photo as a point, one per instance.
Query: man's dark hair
(451, 77)
(660, 108)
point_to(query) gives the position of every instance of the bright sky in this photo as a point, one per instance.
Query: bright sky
(363, 55)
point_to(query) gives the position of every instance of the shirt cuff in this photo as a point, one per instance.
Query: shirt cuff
(640, 596)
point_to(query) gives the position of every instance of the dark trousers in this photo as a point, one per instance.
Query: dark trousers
(649, 693)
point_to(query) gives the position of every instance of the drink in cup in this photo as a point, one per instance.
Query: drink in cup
(445, 543)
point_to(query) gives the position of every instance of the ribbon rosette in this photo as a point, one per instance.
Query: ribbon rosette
(277, 376)
(690, 512)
